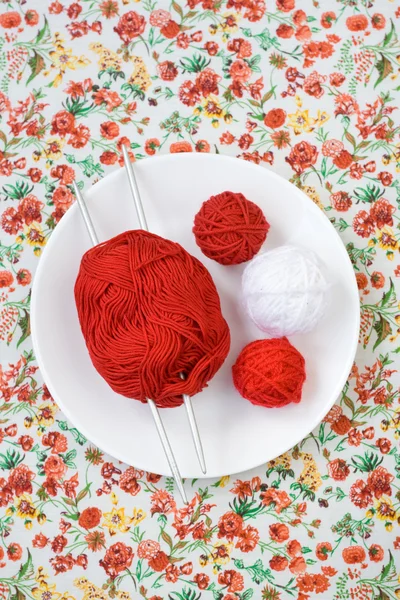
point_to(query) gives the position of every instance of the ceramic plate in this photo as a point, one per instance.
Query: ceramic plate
(236, 435)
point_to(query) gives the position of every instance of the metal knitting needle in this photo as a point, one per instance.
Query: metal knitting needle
(154, 410)
(143, 224)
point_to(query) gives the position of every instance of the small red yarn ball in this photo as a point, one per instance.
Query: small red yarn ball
(270, 373)
(230, 229)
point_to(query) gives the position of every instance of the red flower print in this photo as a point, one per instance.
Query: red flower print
(35, 175)
(170, 30)
(118, 557)
(396, 543)
(62, 564)
(376, 553)
(384, 445)
(323, 549)
(167, 70)
(343, 160)
(202, 580)
(354, 437)
(6, 493)
(345, 105)
(232, 579)
(321, 583)
(186, 569)
(357, 23)
(79, 137)
(341, 201)
(62, 123)
(360, 494)
(90, 517)
(297, 565)
(378, 21)
(159, 18)
(332, 148)
(95, 540)
(6, 279)
(212, 48)
(59, 543)
(285, 5)
(245, 141)
(305, 583)
(338, 469)
(385, 178)
(207, 82)
(11, 221)
(278, 563)
(336, 79)
(284, 31)
(64, 173)
(202, 146)
(148, 549)
(10, 19)
(275, 118)
(381, 213)
(189, 93)
(303, 33)
(159, 562)
(299, 17)
(279, 498)
(171, 573)
(363, 225)
(162, 502)
(70, 486)
(40, 541)
(353, 555)
(54, 466)
(183, 41)
(240, 71)
(177, 147)
(230, 525)
(56, 441)
(128, 481)
(31, 17)
(74, 10)
(241, 47)
(109, 130)
(293, 548)
(255, 10)
(377, 280)
(20, 479)
(14, 551)
(51, 486)
(369, 433)
(62, 196)
(330, 571)
(227, 138)
(130, 26)
(26, 441)
(302, 156)
(279, 532)
(110, 98)
(108, 158)
(248, 539)
(150, 148)
(29, 208)
(327, 19)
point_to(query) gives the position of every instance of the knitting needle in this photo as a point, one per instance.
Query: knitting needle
(154, 410)
(143, 224)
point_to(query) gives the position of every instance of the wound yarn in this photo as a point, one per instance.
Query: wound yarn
(149, 311)
(270, 373)
(229, 228)
(284, 291)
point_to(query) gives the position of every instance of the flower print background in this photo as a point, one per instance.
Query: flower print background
(308, 92)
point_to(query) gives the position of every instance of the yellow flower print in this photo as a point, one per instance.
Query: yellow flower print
(107, 58)
(41, 575)
(313, 194)
(322, 118)
(34, 235)
(25, 508)
(140, 75)
(53, 150)
(301, 122)
(117, 520)
(124, 595)
(45, 415)
(310, 476)
(230, 21)
(63, 59)
(284, 460)
(223, 481)
(384, 509)
(81, 582)
(387, 240)
(138, 516)
(221, 552)
(212, 108)
(46, 592)
(92, 592)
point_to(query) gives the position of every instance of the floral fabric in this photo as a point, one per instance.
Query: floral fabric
(307, 88)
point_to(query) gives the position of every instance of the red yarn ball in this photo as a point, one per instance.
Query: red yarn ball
(229, 228)
(270, 373)
(149, 311)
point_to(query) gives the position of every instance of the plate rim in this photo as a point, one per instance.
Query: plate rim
(89, 195)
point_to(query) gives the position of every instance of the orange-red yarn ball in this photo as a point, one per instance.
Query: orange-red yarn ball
(149, 311)
(270, 373)
(229, 228)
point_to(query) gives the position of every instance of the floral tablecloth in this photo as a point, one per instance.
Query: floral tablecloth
(309, 89)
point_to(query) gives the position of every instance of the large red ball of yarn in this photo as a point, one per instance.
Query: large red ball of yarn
(229, 228)
(149, 312)
(270, 373)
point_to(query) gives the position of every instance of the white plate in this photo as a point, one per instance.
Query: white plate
(236, 435)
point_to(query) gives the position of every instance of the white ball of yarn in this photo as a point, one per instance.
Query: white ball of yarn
(284, 291)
